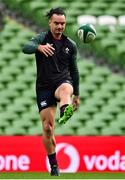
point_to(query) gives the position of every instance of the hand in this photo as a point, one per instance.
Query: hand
(47, 49)
(76, 102)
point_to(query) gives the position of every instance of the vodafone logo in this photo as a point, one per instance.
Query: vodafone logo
(13, 162)
(68, 158)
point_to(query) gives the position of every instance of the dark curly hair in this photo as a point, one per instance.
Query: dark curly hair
(58, 11)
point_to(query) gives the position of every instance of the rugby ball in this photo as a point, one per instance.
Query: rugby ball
(87, 33)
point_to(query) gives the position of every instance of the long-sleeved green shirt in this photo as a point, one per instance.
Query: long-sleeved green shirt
(53, 69)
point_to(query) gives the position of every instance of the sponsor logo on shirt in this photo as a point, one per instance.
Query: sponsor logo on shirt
(43, 103)
(67, 50)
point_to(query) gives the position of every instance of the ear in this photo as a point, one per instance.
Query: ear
(49, 21)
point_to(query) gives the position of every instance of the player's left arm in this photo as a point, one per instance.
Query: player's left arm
(75, 76)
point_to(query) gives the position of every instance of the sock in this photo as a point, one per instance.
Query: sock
(62, 108)
(52, 159)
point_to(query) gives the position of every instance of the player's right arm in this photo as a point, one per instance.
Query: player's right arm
(35, 44)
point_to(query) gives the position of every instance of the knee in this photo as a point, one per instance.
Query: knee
(47, 129)
(66, 89)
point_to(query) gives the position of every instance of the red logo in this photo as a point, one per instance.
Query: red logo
(68, 158)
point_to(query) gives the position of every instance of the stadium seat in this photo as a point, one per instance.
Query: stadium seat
(5, 78)
(63, 4)
(7, 35)
(111, 87)
(109, 46)
(7, 57)
(18, 109)
(81, 5)
(103, 72)
(118, 6)
(111, 131)
(119, 123)
(107, 20)
(96, 124)
(3, 122)
(103, 94)
(88, 109)
(22, 123)
(116, 79)
(99, 5)
(62, 130)
(81, 117)
(74, 123)
(121, 20)
(31, 116)
(11, 71)
(10, 117)
(15, 131)
(94, 11)
(1, 131)
(104, 117)
(96, 80)
(35, 130)
(96, 101)
(4, 101)
(87, 131)
(114, 12)
(83, 19)
(121, 55)
(112, 109)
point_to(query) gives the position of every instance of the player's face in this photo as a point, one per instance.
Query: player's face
(57, 24)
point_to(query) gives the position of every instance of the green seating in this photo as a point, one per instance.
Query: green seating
(64, 131)
(22, 123)
(96, 80)
(94, 11)
(116, 79)
(12, 48)
(104, 117)
(87, 131)
(6, 57)
(109, 46)
(15, 131)
(79, 5)
(4, 102)
(18, 109)
(103, 94)
(36, 130)
(119, 5)
(11, 71)
(80, 117)
(112, 109)
(96, 124)
(99, 5)
(88, 87)
(74, 123)
(111, 87)
(9, 117)
(1, 131)
(3, 122)
(62, 4)
(4, 78)
(88, 109)
(103, 72)
(121, 54)
(111, 131)
(114, 12)
(31, 116)
(96, 101)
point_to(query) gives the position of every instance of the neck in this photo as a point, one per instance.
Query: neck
(57, 36)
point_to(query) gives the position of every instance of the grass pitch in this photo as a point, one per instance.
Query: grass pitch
(34, 175)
